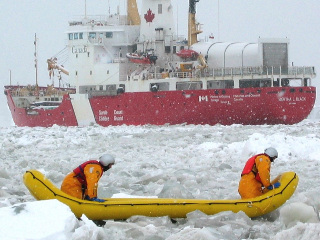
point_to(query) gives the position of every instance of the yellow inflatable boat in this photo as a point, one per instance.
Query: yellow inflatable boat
(122, 208)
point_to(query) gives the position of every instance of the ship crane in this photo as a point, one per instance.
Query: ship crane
(193, 26)
(52, 64)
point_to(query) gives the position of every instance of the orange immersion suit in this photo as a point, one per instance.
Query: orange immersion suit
(255, 175)
(87, 185)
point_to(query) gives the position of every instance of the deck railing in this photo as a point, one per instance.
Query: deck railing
(268, 71)
(299, 72)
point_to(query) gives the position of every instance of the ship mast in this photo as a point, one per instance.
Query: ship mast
(133, 13)
(10, 76)
(193, 27)
(36, 64)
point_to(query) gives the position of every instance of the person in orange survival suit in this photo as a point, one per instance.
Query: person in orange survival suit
(82, 182)
(255, 176)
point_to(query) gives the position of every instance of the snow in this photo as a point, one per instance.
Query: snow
(181, 161)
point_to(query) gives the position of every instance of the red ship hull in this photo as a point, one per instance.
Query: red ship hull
(249, 106)
(63, 115)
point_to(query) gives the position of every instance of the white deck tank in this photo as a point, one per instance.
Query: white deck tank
(237, 54)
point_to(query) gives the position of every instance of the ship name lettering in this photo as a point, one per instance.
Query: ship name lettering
(118, 118)
(101, 112)
(117, 112)
(104, 119)
(79, 49)
(252, 95)
(285, 99)
(300, 99)
(224, 96)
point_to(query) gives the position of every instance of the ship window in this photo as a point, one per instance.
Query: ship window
(174, 49)
(76, 73)
(90, 72)
(80, 35)
(247, 83)
(189, 85)
(285, 82)
(109, 34)
(92, 35)
(76, 36)
(163, 86)
(70, 36)
(123, 86)
(111, 87)
(220, 84)
(159, 8)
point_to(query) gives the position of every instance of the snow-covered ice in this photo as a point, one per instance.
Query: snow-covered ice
(182, 161)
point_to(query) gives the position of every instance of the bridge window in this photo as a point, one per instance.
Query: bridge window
(109, 34)
(76, 36)
(70, 36)
(92, 35)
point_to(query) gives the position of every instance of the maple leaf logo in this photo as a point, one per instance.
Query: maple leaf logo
(149, 16)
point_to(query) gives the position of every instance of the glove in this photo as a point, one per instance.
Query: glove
(95, 199)
(276, 185)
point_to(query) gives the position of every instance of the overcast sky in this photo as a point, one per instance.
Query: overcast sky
(230, 20)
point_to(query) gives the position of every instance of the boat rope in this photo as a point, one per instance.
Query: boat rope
(106, 204)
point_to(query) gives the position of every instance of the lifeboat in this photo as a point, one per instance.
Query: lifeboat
(142, 59)
(122, 208)
(187, 53)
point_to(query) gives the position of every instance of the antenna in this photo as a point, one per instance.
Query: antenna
(177, 19)
(36, 63)
(218, 20)
(109, 6)
(10, 76)
(85, 9)
(36, 57)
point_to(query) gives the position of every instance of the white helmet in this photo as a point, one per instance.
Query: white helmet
(271, 152)
(106, 159)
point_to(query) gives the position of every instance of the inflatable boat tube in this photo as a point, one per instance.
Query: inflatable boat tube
(122, 208)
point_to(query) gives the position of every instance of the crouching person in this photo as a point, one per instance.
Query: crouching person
(82, 182)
